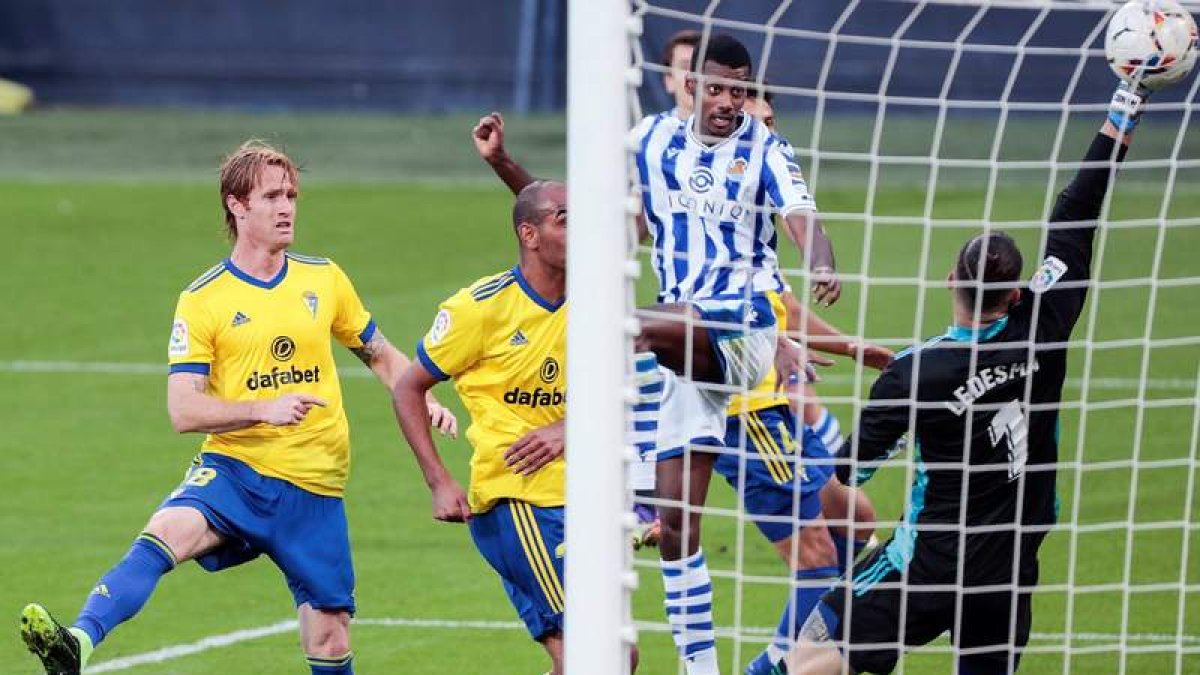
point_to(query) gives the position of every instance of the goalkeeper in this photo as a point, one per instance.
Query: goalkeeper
(982, 402)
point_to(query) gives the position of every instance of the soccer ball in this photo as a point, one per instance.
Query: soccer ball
(1151, 43)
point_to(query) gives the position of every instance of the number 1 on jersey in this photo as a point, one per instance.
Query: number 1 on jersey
(1008, 425)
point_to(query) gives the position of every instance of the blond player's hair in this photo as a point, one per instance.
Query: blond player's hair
(240, 172)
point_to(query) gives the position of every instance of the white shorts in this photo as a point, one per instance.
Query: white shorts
(693, 413)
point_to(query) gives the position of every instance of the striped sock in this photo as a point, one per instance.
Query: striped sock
(689, 612)
(335, 665)
(829, 431)
(810, 585)
(643, 428)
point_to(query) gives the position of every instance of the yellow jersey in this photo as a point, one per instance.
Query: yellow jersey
(764, 395)
(505, 348)
(258, 340)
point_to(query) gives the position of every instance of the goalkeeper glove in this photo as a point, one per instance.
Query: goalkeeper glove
(1126, 106)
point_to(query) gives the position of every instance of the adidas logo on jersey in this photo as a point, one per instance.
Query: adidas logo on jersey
(239, 319)
(518, 339)
(101, 589)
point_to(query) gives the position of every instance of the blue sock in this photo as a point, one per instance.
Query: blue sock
(810, 585)
(121, 593)
(341, 665)
(846, 555)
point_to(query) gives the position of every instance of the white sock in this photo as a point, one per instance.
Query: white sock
(689, 611)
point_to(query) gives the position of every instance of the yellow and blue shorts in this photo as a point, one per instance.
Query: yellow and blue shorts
(304, 533)
(524, 545)
(781, 491)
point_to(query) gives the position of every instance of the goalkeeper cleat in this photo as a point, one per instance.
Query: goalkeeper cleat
(59, 649)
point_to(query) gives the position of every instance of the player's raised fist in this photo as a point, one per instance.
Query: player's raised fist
(488, 135)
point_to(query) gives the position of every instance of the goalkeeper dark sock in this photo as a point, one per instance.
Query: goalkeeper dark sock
(121, 593)
(339, 665)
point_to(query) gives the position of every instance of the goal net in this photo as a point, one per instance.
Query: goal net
(917, 126)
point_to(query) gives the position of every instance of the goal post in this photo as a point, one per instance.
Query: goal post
(598, 634)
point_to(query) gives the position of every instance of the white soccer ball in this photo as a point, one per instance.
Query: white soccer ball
(1151, 43)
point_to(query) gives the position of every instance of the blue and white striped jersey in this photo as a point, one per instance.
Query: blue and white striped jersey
(709, 208)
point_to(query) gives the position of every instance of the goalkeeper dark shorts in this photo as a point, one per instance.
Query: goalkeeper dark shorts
(864, 617)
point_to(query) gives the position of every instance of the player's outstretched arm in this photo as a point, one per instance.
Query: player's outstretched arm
(488, 135)
(408, 400)
(1067, 260)
(192, 408)
(818, 334)
(388, 364)
(882, 423)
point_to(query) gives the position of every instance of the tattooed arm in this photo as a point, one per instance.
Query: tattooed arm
(388, 364)
(192, 408)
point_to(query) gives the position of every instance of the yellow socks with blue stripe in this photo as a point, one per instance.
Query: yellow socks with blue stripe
(689, 612)
(340, 665)
(643, 419)
(121, 593)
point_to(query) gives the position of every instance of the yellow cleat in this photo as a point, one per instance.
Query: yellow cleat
(56, 646)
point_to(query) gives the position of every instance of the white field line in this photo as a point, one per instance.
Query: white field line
(130, 368)
(202, 645)
(288, 625)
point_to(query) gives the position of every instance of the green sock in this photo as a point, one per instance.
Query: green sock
(85, 645)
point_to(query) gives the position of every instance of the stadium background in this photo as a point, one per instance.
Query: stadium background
(108, 207)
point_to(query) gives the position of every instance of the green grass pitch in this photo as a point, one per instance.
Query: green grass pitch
(106, 215)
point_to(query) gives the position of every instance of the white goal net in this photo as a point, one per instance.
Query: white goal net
(917, 126)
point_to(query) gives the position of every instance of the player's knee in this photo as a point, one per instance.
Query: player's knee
(327, 634)
(184, 530)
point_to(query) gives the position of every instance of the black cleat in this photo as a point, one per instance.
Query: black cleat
(49, 641)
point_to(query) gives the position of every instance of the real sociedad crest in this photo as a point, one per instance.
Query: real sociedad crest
(310, 301)
(737, 169)
(701, 180)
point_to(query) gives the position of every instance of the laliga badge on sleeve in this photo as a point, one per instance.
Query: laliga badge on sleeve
(441, 326)
(178, 345)
(1048, 274)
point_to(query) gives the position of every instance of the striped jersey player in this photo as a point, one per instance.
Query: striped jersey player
(710, 185)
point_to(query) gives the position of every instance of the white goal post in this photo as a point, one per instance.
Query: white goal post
(598, 632)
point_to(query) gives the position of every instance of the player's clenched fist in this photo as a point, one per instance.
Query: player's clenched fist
(289, 409)
(488, 135)
(450, 503)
